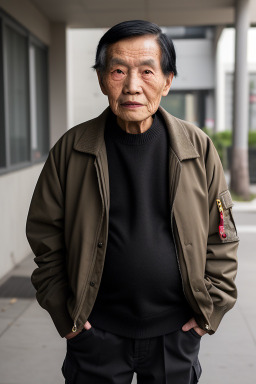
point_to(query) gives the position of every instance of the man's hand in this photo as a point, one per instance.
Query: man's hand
(193, 324)
(87, 326)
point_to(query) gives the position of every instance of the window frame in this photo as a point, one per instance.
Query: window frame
(2, 109)
(6, 20)
(230, 106)
(33, 40)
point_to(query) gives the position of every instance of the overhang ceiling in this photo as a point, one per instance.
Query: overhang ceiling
(105, 13)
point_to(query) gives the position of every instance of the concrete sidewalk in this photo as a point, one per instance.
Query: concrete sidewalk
(244, 206)
(32, 352)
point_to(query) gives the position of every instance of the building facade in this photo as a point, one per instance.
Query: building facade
(41, 94)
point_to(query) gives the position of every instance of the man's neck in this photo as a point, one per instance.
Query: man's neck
(135, 127)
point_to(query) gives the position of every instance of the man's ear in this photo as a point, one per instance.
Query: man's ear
(168, 83)
(102, 86)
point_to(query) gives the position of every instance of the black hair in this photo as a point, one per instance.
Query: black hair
(133, 28)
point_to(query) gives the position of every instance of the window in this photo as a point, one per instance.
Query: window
(187, 105)
(229, 83)
(229, 101)
(252, 102)
(16, 83)
(38, 104)
(24, 130)
(2, 136)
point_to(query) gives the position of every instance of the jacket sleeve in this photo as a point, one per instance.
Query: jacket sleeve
(221, 259)
(45, 234)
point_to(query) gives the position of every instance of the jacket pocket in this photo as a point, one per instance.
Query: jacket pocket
(229, 223)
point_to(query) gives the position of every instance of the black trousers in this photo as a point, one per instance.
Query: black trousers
(96, 356)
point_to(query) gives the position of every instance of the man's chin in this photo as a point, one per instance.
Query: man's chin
(135, 116)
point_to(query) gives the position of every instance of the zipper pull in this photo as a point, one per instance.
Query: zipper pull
(74, 328)
(221, 225)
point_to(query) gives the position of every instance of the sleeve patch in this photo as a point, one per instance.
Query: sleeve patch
(226, 199)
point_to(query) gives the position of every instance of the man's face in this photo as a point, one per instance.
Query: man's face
(134, 81)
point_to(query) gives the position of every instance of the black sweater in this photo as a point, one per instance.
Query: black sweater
(140, 294)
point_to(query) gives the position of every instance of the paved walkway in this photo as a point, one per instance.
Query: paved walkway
(32, 352)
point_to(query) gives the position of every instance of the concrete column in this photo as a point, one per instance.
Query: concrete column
(217, 89)
(239, 169)
(58, 82)
(189, 107)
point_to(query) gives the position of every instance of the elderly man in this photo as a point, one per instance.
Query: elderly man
(132, 228)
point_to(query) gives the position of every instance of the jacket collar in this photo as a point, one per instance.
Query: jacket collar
(179, 139)
(92, 139)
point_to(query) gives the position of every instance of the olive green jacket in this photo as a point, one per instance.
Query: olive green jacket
(67, 224)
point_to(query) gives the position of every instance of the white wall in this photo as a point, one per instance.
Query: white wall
(85, 99)
(16, 190)
(195, 64)
(225, 63)
(58, 82)
(29, 16)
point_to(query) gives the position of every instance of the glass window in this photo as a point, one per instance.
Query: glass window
(229, 83)
(17, 106)
(174, 103)
(2, 133)
(229, 79)
(183, 105)
(252, 102)
(38, 101)
(24, 117)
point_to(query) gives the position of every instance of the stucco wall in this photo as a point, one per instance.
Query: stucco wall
(195, 64)
(29, 16)
(225, 64)
(85, 99)
(16, 190)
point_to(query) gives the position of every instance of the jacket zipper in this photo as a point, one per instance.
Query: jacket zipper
(182, 281)
(176, 253)
(79, 308)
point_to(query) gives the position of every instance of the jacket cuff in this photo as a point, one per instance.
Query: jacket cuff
(215, 320)
(62, 321)
(212, 326)
(201, 322)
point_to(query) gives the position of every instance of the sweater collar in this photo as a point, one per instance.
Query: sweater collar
(92, 139)
(114, 132)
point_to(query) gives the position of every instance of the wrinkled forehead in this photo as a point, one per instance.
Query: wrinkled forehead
(142, 48)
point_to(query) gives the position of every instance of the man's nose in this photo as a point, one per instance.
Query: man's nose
(132, 85)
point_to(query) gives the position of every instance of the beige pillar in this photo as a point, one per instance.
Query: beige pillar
(58, 82)
(239, 169)
(189, 107)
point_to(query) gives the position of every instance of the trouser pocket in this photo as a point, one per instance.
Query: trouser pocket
(69, 369)
(195, 333)
(81, 335)
(197, 371)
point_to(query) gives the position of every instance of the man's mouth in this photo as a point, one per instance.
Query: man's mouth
(131, 104)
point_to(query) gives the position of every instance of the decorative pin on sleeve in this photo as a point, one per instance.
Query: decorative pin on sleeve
(221, 225)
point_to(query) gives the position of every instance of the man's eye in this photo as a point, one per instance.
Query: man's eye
(117, 74)
(148, 72)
